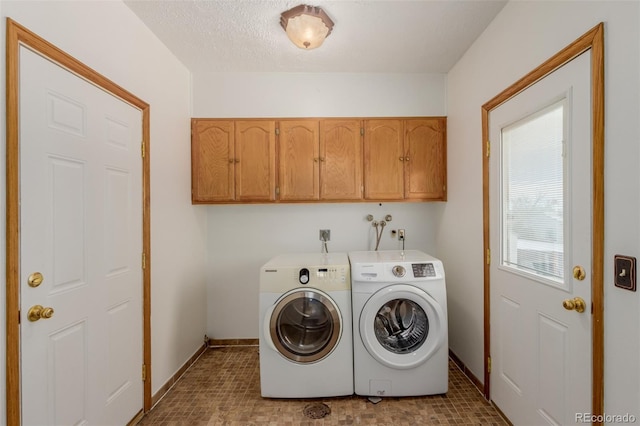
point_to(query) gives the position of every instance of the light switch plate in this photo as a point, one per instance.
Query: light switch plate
(625, 272)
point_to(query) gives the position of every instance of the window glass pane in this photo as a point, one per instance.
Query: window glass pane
(533, 194)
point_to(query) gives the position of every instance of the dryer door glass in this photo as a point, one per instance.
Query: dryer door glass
(401, 326)
(305, 326)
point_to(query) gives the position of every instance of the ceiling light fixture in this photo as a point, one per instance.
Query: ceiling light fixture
(306, 26)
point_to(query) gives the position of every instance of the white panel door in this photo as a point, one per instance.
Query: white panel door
(540, 222)
(81, 228)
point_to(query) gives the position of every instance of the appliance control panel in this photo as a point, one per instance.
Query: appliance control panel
(423, 270)
(328, 274)
(397, 272)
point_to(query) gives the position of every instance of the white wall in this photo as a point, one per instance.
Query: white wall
(318, 95)
(243, 237)
(108, 37)
(521, 37)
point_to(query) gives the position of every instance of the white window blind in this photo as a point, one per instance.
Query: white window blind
(533, 193)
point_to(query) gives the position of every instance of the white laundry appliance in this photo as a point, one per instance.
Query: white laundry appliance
(305, 330)
(400, 329)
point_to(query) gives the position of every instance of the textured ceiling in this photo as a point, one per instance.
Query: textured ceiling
(371, 36)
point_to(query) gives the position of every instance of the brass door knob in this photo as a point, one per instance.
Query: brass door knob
(576, 304)
(38, 312)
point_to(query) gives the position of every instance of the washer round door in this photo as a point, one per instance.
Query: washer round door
(305, 325)
(401, 326)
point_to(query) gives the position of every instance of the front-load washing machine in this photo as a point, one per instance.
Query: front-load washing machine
(400, 331)
(305, 330)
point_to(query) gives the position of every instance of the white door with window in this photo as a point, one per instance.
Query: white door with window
(540, 242)
(81, 242)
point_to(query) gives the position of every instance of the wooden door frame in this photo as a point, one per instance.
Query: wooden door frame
(18, 36)
(592, 40)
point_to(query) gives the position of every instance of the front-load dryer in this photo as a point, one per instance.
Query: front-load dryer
(400, 324)
(305, 330)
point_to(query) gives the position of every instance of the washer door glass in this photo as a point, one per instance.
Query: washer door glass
(401, 326)
(305, 325)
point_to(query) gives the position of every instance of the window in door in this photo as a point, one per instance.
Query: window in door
(533, 195)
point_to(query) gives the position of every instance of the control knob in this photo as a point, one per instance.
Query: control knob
(399, 271)
(303, 276)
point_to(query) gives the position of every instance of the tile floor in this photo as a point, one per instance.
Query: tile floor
(223, 388)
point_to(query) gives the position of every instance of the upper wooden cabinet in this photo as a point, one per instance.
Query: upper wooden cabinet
(232, 160)
(255, 150)
(383, 160)
(425, 165)
(405, 159)
(340, 160)
(211, 161)
(265, 160)
(298, 155)
(320, 159)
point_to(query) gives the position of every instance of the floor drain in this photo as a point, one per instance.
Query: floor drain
(317, 410)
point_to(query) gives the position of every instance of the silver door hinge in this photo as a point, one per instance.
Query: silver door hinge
(488, 256)
(489, 365)
(142, 148)
(144, 372)
(361, 131)
(277, 131)
(277, 190)
(144, 261)
(488, 149)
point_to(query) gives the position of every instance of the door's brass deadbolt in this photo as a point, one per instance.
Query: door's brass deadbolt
(576, 304)
(578, 273)
(35, 279)
(38, 312)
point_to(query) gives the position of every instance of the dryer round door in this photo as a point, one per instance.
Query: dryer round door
(305, 325)
(402, 326)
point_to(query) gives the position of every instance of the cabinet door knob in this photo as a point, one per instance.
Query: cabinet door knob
(401, 158)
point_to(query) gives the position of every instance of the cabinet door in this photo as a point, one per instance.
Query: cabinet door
(255, 158)
(212, 160)
(425, 159)
(383, 160)
(298, 155)
(340, 160)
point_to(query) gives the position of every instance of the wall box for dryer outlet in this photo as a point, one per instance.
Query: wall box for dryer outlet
(625, 272)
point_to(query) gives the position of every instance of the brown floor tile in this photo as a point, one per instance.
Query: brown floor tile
(223, 388)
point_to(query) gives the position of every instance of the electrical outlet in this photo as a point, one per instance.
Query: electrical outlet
(401, 234)
(325, 235)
